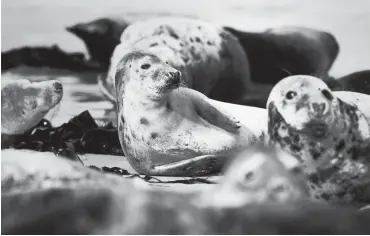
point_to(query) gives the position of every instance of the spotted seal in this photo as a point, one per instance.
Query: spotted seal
(24, 104)
(165, 129)
(258, 174)
(210, 59)
(328, 131)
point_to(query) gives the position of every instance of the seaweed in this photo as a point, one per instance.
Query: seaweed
(78, 136)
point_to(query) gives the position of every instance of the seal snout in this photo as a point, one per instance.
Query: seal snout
(175, 77)
(58, 87)
(75, 29)
(319, 108)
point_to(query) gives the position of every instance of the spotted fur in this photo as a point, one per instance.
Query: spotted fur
(336, 160)
(210, 59)
(168, 130)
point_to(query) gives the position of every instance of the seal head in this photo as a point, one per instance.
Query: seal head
(328, 135)
(259, 174)
(155, 79)
(306, 106)
(24, 104)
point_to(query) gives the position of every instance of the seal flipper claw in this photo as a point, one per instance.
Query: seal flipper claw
(197, 166)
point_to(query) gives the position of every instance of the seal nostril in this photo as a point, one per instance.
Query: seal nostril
(318, 107)
(58, 86)
(175, 75)
(322, 107)
(315, 107)
(178, 74)
(327, 94)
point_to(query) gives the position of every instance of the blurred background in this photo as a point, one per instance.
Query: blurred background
(43, 22)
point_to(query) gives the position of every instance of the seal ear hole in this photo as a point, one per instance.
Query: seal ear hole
(327, 94)
(249, 176)
(145, 66)
(290, 95)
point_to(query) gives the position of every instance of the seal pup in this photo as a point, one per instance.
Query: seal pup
(257, 174)
(328, 131)
(165, 129)
(24, 104)
(287, 50)
(210, 59)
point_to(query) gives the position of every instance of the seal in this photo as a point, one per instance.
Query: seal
(355, 82)
(100, 37)
(165, 129)
(210, 59)
(287, 50)
(328, 131)
(258, 174)
(24, 104)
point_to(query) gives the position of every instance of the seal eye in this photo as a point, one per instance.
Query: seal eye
(145, 66)
(249, 176)
(290, 95)
(327, 94)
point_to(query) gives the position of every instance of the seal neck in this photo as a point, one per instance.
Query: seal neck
(145, 100)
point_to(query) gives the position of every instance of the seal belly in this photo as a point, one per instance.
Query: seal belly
(192, 139)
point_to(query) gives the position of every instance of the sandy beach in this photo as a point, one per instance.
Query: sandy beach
(43, 23)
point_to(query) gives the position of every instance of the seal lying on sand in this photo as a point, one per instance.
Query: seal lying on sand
(100, 36)
(52, 57)
(328, 131)
(355, 82)
(282, 51)
(210, 59)
(165, 129)
(24, 104)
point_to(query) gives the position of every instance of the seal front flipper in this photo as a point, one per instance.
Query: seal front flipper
(197, 166)
(106, 89)
(211, 114)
